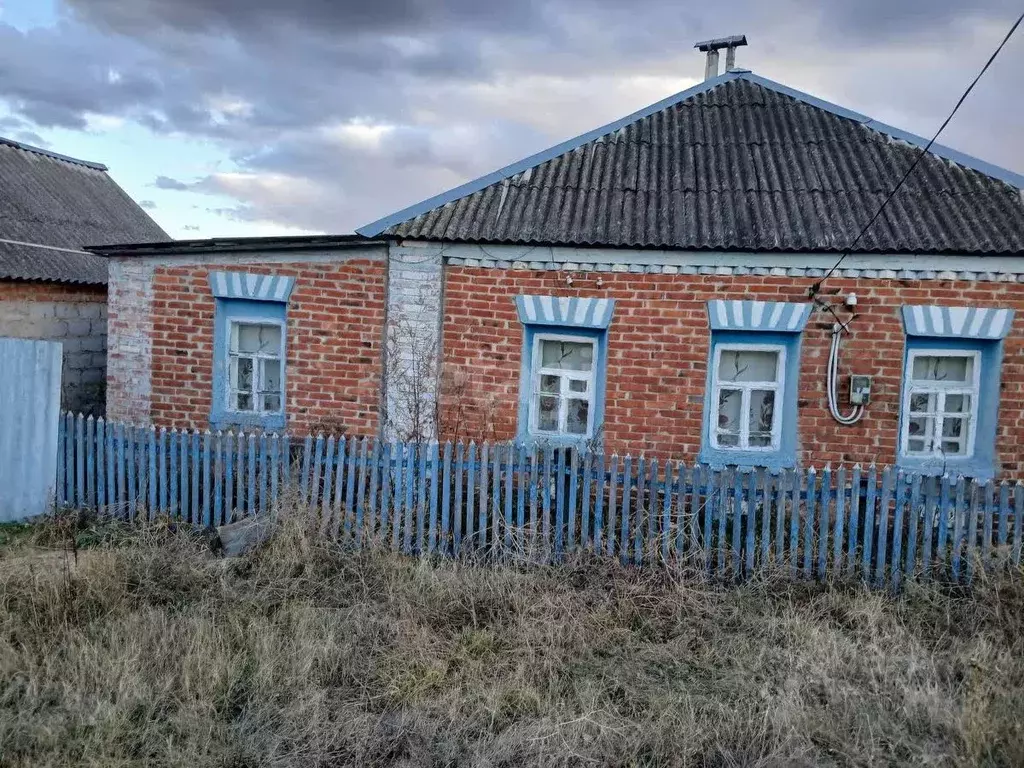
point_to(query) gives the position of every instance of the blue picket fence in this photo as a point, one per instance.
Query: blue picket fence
(882, 526)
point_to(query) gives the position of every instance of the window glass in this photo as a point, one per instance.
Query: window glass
(548, 417)
(576, 418)
(251, 337)
(762, 417)
(748, 365)
(563, 389)
(940, 405)
(748, 384)
(254, 367)
(567, 355)
(943, 368)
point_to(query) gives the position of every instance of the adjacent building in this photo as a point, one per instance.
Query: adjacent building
(256, 333)
(50, 288)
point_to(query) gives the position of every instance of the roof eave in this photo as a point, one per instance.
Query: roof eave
(233, 245)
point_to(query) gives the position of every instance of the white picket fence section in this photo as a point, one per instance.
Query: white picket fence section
(30, 378)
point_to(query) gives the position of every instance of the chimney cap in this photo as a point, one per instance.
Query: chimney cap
(732, 41)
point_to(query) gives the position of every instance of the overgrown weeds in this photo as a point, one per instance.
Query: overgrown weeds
(151, 650)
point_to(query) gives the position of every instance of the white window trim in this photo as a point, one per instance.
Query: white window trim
(951, 388)
(257, 374)
(778, 386)
(536, 371)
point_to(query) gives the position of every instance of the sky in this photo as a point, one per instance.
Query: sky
(261, 117)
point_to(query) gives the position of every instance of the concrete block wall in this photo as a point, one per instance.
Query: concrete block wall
(75, 316)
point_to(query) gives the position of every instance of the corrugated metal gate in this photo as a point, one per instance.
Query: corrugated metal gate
(30, 374)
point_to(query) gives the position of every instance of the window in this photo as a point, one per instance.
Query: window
(750, 403)
(748, 390)
(250, 367)
(254, 368)
(949, 406)
(563, 386)
(561, 381)
(941, 404)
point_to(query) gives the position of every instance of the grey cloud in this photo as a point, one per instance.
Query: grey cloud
(878, 20)
(149, 205)
(17, 129)
(343, 17)
(464, 87)
(166, 182)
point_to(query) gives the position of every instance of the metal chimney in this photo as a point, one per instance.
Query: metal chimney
(712, 47)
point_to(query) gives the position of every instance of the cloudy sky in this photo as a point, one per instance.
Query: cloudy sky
(255, 117)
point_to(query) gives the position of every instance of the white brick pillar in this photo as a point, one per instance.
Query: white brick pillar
(412, 348)
(130, 340)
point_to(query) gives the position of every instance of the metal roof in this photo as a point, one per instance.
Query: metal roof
(736, 163)
(721, 42)
(51, 206)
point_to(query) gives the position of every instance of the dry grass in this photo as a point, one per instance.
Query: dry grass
(151, 651)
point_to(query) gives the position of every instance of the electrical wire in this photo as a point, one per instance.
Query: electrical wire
(817, 286)
(831, 384)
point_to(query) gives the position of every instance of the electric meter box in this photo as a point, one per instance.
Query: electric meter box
(860, 390)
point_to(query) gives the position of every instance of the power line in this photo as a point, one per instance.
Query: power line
(817, 286)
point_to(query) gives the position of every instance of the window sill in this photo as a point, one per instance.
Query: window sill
(541, 442)
(272, 422)
(935, 467)
(773, 461)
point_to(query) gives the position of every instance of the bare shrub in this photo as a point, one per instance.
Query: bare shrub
(306, 653)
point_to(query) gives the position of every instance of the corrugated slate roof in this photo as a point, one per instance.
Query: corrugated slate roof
(51, 200)
(736, 163)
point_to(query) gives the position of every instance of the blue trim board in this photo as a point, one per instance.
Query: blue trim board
(957, 322)
(256, 311)
(981, 465)
(565, 311)
(530, 331)
(737, 315)
(244, 285)
(785, 457)
(375, 228)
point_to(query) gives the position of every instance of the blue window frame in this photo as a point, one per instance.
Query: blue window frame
(750, 404)
(949, 400)
(562, 374)
(249, 350)
(249, 364)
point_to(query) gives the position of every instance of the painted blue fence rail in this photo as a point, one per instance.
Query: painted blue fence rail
(879, 525)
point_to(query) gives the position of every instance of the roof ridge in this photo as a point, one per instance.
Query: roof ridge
(53, 155)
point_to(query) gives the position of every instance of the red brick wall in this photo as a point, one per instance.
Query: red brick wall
(658, 351)
(335, 330)
(19, 290)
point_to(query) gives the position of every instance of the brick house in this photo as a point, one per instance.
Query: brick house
(50, 207)
(248, 333)
(663, 284)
